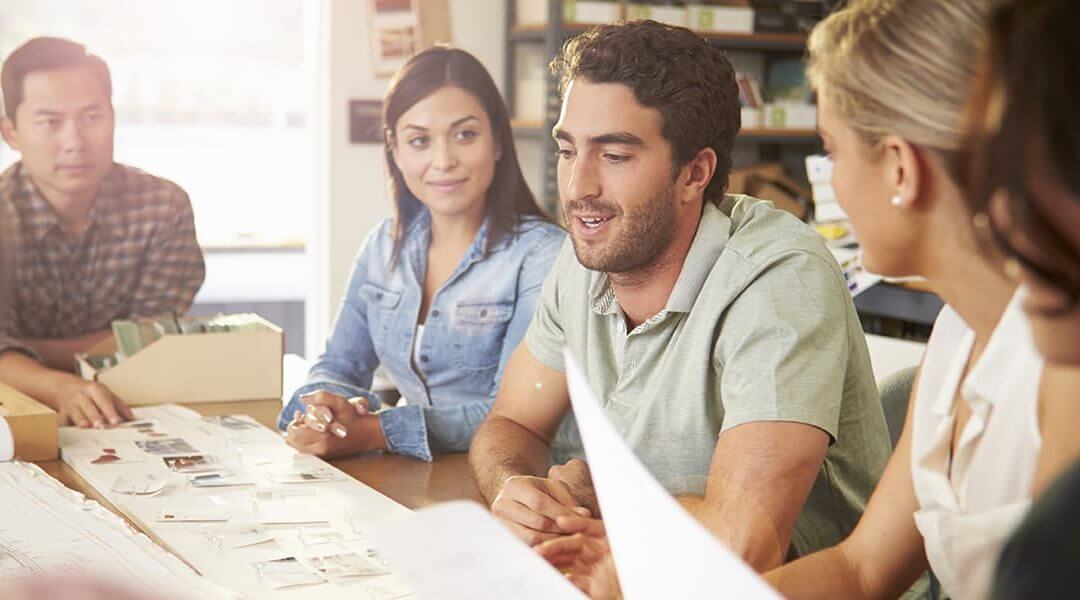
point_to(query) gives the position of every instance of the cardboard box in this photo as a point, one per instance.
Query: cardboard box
(768, 181)
(790, 115)
(592, 12)
(670, 15)
(33, 425)
(195, 368)
(720, 19)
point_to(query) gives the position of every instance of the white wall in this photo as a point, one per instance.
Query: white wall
(352, 179)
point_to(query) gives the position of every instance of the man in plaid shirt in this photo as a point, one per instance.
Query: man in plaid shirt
(83, 240)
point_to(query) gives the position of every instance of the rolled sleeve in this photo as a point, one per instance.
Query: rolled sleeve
(406, 431)
(782, 339)
(8, 344)
(545, 337)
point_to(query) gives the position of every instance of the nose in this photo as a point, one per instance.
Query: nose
(72, 137)
(580, 179)
(445, 156)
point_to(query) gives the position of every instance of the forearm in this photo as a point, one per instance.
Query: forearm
(60, 353)
(32, 378)
(830, 573)
(501, 449)
(743, 526)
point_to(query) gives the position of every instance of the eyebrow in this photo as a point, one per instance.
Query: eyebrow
(620, 137)
(460, 121)
(56, 113)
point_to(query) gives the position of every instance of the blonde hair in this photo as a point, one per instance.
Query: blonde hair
(901, 67)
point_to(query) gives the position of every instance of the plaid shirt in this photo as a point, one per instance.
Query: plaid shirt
(137, 257)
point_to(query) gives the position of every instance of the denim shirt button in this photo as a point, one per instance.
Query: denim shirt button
(435, 313)
(423, 358)
(483, 312)
(378, 295)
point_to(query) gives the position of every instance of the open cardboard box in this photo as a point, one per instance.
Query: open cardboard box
(195, 368)
(33, 425)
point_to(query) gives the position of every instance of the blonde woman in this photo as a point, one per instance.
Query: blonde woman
(892, 77)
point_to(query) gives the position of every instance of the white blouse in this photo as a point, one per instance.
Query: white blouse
(967, 511)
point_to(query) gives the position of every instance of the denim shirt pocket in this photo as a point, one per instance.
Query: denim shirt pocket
(481, 327)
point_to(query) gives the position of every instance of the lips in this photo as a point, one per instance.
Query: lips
(447, 185)
(593, 222)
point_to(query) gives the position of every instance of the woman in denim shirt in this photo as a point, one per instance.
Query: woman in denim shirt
(442, 292)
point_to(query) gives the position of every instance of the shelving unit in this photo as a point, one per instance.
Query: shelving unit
(768, 143)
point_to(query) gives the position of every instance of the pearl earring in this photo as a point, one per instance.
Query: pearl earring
(897, 201)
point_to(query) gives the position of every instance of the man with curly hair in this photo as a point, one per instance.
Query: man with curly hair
(717, 331)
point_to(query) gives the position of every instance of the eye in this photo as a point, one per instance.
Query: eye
(466, 135)
(419, 142)
(564, 153)
(616, 159)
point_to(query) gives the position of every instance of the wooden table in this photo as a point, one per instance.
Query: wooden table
(408, 481)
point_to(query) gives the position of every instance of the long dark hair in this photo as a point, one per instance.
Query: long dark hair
(1027, 96)
(509, 200)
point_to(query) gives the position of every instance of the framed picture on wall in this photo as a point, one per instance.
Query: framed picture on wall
(401, 28)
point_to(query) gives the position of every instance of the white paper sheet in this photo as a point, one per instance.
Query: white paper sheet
(660, 551)
(458, 551)
(256, 454)
(49, 530)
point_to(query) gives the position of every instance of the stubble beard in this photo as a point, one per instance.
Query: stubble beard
(641, 238)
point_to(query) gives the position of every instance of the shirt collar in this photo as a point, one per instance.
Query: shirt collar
(419, 233)
(1009, 345)
(712, 235)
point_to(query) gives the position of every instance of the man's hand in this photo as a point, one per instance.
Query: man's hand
(575, 474)
(584, 556)
(333, 426)
(89, 404)
(529, 506)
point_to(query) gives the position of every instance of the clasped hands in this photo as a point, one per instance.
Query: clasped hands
(560, 518)
(331, 426)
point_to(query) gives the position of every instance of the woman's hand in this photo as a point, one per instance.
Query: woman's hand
(584, 556)
(333, 426)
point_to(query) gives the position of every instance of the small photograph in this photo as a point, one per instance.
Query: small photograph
(231, 422)
(315, 475)
(346, 566)
(217, 479)
(166, 447)
(190, 463)
(286, 572)
(109, 455)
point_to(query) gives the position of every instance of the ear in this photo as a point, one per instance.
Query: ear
(903, 170)
(7, 129)
(697, 174)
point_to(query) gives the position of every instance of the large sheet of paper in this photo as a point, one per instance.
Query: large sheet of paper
(49, 530)
(457, 551)
(295, 514)
(660, 551)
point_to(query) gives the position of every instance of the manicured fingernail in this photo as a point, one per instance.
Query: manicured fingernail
(339, 430)
(114, 421)
(99, 425)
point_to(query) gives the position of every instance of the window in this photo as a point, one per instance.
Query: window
(212, 95)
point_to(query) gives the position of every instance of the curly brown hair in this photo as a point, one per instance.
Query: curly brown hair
(673, 70)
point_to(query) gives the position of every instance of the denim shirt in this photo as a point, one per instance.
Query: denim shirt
(474, 323)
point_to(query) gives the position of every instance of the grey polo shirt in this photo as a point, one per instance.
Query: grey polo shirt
(759, 327)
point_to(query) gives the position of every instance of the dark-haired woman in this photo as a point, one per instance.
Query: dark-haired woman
(1026, 188)
(441, 292)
